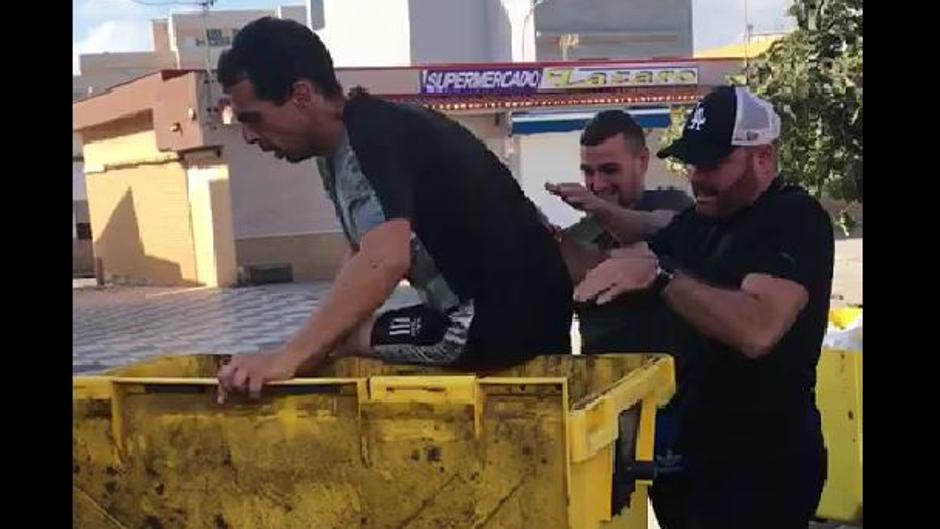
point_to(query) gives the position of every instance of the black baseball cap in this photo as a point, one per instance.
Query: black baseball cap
(726, 118)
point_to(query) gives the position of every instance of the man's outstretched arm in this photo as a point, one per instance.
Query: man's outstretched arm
(362, 285)
(628, 226)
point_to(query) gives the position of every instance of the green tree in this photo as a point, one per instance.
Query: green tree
(677, 115)
(813, 77)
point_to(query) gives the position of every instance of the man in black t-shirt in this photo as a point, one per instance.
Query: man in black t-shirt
(619, 210)
(419, 198)
(747, 274)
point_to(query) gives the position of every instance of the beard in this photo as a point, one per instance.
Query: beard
(723, 203)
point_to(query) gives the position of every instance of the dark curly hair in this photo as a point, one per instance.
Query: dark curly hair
(609, 123)
(274, 53)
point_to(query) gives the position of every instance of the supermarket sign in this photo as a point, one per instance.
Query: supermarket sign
(481, 81)
(524, 81)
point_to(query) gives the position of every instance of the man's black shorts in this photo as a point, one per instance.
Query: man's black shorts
(419, 334)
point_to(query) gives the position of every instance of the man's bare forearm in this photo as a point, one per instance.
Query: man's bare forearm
(362, 285)
(732, 317)
(629, 225)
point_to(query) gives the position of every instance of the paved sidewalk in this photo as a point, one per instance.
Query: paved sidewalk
(121, 325)
(847, 272)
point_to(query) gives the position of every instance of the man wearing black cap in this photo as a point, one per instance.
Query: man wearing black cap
(747, 273)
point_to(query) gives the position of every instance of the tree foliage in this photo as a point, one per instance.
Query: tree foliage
(813, 77)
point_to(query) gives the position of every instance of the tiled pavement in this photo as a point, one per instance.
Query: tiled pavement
(847, 272)
(120, 325)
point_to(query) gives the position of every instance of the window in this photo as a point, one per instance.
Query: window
(214, 36)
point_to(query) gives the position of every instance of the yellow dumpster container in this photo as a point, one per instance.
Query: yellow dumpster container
(839, 398)
(844, 316)
(560, 442)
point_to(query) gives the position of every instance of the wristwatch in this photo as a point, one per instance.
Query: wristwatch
(665, 273)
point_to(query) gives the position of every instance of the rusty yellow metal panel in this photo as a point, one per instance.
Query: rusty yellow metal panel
(368, 445)
(839, 397)
(636, 516)
(94, 454)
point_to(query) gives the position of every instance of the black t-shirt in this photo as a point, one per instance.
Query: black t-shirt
(470, 215)
(734, 406)
(633, 322)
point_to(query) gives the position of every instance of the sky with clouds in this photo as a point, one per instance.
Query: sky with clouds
(124, 25)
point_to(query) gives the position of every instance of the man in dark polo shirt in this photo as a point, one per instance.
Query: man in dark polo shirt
(747, 274)
(614, 161)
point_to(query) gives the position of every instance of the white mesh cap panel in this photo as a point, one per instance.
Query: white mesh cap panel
(756, 122)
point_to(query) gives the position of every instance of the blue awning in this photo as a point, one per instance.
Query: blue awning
(539, 122)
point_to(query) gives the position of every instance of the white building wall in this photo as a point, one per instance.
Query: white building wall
(549, 157)
(616, 29)
(188, 34)
(79, 193)
(272, 197)
(520, 29)
(499, 29)
(409, 32)
(179, 42)
(78, 181)
(435, 39)
(367, 32)
(297, 13)
(127, 64)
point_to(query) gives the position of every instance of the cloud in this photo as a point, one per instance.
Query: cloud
(114, 36)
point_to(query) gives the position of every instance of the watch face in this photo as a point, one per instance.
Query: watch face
(666, 264)
(586, 230)
(662, 279)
